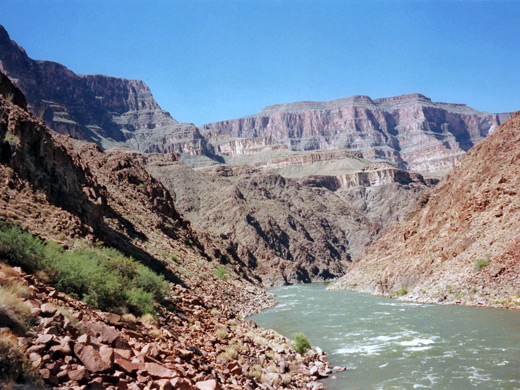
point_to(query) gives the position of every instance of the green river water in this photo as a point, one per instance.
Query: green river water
(389, 344)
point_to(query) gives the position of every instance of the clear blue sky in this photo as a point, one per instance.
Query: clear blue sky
(214, 60)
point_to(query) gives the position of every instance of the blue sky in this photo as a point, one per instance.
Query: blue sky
(213, 60)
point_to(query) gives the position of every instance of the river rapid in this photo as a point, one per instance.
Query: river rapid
(389, 344)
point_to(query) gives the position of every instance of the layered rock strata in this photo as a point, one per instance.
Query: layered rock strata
(462, 245)
(76, 194)
(288, 230)
(408, 131)
(106, 110)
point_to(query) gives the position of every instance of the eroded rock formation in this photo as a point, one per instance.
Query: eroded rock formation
(106, 110)
(462, 245)
(74, 193)
(289, 229)
(408, 131)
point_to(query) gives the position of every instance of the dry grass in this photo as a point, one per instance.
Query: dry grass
(14, 366)
(13, 310)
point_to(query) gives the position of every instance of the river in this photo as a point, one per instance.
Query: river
(389, 344)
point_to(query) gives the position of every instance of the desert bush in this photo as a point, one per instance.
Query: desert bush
(220, 272)
(149, 319)
(401, 292)
(480, 264)
(155, 333)
(129, 318)
(222, 333)
(102, 277)
(175, 258)
(230, 354)
(14, 310)
(301, 343)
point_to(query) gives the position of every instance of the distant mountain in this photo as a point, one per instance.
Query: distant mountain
(106, 110)
(290, 229)
(408, 131)
(463, 245)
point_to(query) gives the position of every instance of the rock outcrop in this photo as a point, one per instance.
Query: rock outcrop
(462, 245)
(192, 345)
(408, 131)
(106, 110)
(289, 230)
(74, 193)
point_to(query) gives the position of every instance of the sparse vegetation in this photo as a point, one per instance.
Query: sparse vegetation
(14, 366)
(401, 292)
(220, 272)
(149, 319)
(70, 316)
(221, 333)
(102, 277)
(175, 258)
(480, 264)
(15, 309)
(301, 343)
(230, 354)
(11, 138)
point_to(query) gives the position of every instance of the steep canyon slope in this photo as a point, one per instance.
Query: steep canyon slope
(106, 110)
(463, 245)
(408, 131)
(290, 229)
(81, 197)
(303, 225)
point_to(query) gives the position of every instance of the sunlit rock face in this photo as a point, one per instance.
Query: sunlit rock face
(106, 110)
(460, 244)
(408, 131)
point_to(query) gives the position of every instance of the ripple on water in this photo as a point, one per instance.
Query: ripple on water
(365, 350)
(417, 342)
(416, 346)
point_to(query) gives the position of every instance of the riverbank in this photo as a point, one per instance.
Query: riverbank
(194, 343)
(442, 293)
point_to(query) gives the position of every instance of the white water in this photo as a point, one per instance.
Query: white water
(388, 344)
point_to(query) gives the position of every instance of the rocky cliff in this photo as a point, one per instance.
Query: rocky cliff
(289, 230)
(463, 245)
(81, 197)
(106, 110)
(408, 131)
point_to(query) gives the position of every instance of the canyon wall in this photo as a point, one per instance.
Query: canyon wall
(106, 110)
(463, 244)
(408, 131)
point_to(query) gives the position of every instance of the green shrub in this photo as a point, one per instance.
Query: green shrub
(301, 343)
(102, 277)
(480, 264)
(221, 272)
(175, 258)
(150, 282)
(21, 248)
(140, 301)
(401, 292)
